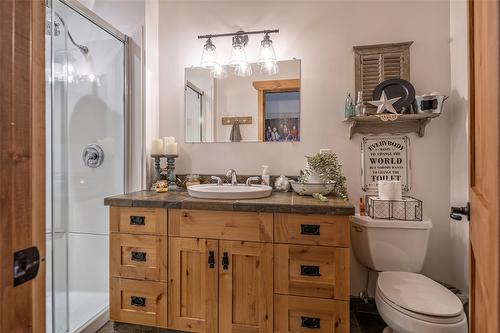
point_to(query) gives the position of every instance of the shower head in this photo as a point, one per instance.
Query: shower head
(84, 49)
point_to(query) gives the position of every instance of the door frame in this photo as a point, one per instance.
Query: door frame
(22, 157)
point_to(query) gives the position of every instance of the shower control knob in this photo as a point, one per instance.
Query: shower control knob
(93, 156)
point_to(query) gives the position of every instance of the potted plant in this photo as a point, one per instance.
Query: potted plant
(322, 174)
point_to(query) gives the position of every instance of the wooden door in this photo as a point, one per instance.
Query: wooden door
(245, 287)
(484, 143)
(192, 287)
(22, 161)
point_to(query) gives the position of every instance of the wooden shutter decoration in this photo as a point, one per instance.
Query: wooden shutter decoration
(377, 63)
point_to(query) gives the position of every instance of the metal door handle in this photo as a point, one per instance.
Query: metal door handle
(310, 322)
(307, 270)
(310, 229)
(138, 256)
(211, 259)
(456, 212)
(225, 260)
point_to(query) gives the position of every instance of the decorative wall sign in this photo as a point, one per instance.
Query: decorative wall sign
(385, 158)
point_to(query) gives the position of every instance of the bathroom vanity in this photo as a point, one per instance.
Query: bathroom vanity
(278, 264)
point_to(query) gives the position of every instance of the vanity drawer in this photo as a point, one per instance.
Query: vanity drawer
(308, 229)
(136, 220)
(138, 302)
(221, 225)
(314, 271)
(138, 257)
(293, 314)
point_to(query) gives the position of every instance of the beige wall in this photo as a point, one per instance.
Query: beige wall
(321, 34)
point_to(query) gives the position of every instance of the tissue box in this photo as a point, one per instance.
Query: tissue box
(407, 209)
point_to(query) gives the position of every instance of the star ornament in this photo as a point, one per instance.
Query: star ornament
(385, 104)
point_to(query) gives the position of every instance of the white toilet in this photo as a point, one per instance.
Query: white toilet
(407, 301)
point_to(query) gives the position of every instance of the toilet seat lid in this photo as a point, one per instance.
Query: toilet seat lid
(417, 293)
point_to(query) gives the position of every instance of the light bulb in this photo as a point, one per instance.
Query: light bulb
(267, 59)
(218, 72)
(209, 55)
(239, 58)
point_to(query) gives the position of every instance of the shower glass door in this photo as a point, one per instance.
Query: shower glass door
(85, 161)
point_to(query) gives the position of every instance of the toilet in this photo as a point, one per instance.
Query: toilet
(408, 302)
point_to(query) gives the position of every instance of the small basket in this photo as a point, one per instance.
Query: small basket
(407, 209)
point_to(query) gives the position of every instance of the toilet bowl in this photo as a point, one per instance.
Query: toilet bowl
(408, 302)
(413, 303)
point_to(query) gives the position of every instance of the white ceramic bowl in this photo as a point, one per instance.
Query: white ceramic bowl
(311, 188)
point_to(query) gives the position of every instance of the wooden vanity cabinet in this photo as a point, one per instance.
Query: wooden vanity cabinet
(227, 271)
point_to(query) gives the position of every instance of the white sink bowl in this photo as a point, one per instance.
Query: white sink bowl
(227, 191)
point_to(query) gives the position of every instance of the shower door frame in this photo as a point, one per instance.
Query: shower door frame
(95, 19)
(101, 23)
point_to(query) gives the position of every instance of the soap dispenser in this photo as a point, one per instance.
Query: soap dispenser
(266, 179)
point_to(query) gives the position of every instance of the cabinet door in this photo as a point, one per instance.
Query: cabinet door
(245, 287)
(192, 296)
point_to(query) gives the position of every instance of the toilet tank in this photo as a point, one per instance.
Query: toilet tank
(390, 245)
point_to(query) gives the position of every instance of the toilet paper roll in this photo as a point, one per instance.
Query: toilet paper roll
(389, 190)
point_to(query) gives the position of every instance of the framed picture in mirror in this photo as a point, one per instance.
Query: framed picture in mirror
(278, 110)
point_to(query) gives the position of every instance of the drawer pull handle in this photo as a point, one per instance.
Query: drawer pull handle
(225, 260)
(138, 301)
(307, 270)
(310, 229)
(137, 220)
(211, 259)
(138, 256)
(310, 322)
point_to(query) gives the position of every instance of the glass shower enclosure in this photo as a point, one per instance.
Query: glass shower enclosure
(86, 93)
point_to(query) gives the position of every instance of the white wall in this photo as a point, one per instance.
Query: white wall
(321, 34)
(458, 102)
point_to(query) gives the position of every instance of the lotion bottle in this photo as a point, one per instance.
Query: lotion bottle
(266, 179)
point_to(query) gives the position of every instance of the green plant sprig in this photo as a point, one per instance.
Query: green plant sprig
(329, 170)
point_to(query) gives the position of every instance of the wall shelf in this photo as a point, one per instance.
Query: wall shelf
(405, 123)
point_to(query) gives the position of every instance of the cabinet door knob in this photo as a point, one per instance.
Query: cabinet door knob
(225, 260)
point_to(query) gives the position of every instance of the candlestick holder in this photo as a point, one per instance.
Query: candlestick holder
(172, 186)
(157, 169)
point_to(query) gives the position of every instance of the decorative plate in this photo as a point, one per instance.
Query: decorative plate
(396, 88)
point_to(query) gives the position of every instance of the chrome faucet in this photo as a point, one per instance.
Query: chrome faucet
(252, 179)
(232, 173)
(218, 179)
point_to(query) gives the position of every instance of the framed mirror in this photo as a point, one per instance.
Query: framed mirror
(255, 108)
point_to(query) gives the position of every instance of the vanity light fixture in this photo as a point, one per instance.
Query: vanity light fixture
(239, 61)
(267, 60)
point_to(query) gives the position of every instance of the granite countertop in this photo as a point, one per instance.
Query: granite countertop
(277, 203)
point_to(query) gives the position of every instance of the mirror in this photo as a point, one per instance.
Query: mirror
(256, 108)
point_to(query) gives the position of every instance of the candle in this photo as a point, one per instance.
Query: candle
(157, 147)
(168, 139)
(171, 148)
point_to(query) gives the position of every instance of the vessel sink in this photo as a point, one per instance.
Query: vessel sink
(227, 191)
